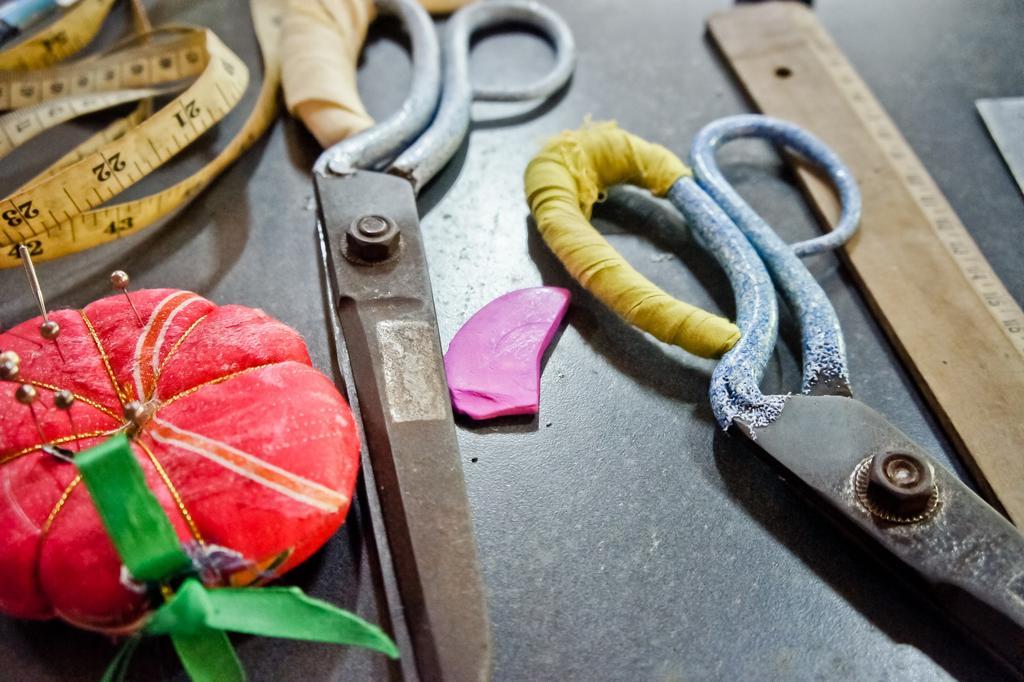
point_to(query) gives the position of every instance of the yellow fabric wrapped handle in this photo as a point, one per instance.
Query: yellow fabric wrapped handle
(562, 184)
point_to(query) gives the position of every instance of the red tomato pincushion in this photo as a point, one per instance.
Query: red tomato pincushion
(252, 453)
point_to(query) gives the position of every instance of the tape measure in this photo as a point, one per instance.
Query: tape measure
(64, 209)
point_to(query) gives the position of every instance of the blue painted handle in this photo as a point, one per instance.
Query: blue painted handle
(22, 13)
(722, 219)
(734, 383)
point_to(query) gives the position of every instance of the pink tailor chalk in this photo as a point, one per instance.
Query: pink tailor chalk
(493, 363)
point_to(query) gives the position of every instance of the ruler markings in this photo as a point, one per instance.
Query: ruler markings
(55, 221)
(155, 150)
(72, 200)
(953, 234)
(928, 284)
(227, 102)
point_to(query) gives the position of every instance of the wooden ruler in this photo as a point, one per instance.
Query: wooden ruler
(951, 319)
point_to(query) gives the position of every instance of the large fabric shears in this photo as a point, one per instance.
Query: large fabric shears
(880, 487)
(379, 285)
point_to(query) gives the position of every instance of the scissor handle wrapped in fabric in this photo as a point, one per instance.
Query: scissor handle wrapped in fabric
(439, 110)
(562, 184)
(351, 139)
(566, 178)
(321, 42)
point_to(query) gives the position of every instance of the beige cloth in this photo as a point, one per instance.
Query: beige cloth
(320, 48)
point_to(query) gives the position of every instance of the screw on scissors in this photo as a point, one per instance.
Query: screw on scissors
(378, 284)
(881, 489)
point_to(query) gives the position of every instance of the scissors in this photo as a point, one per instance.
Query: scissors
(378, 283)
(883, 489)
(880, 487)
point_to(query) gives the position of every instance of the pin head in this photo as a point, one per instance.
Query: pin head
(137, 414)
(49, 330)
(134, 411)
(63, 399)
(9, 370)
(10, 365)
(119, 279)
(26, 394)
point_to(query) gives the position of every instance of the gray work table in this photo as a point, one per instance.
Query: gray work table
(621, 534)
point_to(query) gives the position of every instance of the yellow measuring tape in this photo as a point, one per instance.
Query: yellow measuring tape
(64, 209)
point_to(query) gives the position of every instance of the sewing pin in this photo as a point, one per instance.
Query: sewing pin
(10, 365)
(49, 329)
(63, 400)
(27, 395)
(137, 415)
(119, 279)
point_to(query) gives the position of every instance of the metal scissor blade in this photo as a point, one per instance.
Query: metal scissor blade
(369, 501)
(387, 317)
(962, 554)
(1004, 119)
